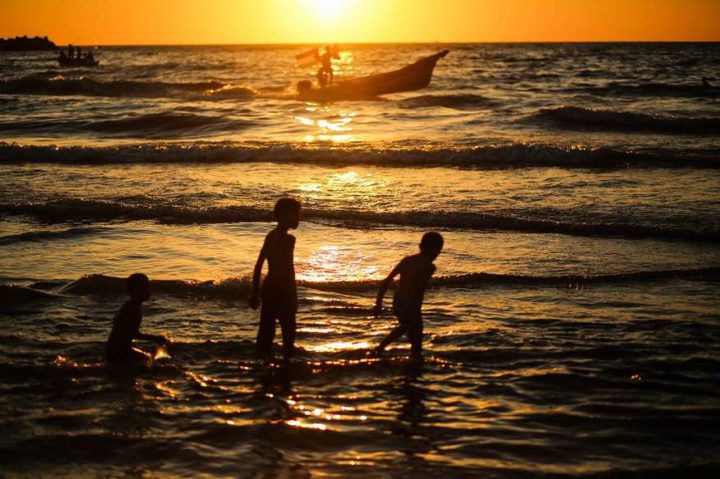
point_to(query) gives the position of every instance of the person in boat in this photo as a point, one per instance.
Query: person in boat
(78, 54)
(325, 74)
(303, 86)
(89, 57)
(71, 51)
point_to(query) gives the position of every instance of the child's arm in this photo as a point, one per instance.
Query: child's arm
(254, 295)
(377, 311)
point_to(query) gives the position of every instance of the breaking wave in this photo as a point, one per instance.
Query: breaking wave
(517, 155)
(239, 287)
(95, 210)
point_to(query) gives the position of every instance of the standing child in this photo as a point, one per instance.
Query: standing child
(126, 325)
(279, 291)
(415, 272)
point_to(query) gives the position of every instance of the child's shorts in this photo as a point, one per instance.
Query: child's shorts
(406, 309)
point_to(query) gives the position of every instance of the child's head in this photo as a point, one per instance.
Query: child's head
(431, 244)
(287, 212)
(138, 286)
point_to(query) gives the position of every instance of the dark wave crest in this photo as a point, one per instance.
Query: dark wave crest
(96, 210)
(42, 85)
(660, 90)
(97, 284)
(76, 209)
(153, 125)
(518, 155)
(576, 118)
(457, 102)
(48, 235)
(12, 294)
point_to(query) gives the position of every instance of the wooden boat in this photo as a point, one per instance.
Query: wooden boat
(65, 61)
(409, 78)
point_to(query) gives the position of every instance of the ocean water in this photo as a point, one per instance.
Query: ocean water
(572, 329)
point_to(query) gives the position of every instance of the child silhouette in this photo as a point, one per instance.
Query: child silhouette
(279, 291)
(415, 272)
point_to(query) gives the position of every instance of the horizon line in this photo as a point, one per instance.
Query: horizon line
(292, 44)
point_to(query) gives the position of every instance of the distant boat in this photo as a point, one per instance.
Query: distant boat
(65, 61)
(409, 78)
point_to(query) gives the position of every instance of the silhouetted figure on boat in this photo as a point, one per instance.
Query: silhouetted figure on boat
(279, 290)
(415, 272)
(126, 324)
(325, 74)
(706, 82)
(76, 59)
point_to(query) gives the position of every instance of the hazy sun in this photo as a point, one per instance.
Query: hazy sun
(330, 10)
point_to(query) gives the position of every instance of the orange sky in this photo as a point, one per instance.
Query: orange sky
(343, 21)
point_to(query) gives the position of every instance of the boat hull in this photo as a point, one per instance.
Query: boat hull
(82, 63)
(410, 78)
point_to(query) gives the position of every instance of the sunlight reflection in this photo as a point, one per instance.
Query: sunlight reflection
(332, 138)
(334, 126)
(306, 425)
(305, 121)
(337, 346)
(163, 387)
(336, 263)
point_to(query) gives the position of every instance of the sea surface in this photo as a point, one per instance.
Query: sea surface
(572, 329)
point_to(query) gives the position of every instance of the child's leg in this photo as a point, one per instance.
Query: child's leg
(288, 326)
(266, 332)
(415, 334)
(392, 337)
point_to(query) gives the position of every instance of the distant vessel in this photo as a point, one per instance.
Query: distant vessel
(75, 58)
(409, 78)
(26, 44)
(66, 61)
